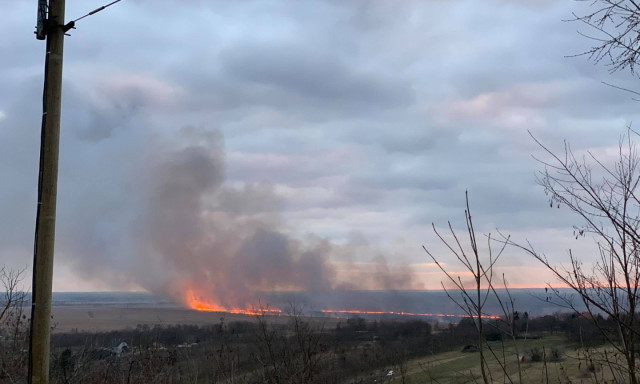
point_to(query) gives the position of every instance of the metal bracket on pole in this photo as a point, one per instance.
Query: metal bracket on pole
(68, 26)
(42, 26)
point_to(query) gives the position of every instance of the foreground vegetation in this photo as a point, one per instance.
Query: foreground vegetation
(304, 350)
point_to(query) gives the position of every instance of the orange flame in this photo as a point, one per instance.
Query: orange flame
(198, 304)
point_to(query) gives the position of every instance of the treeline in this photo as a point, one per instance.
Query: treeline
(301, 350)
(268, 350)
(579, 328)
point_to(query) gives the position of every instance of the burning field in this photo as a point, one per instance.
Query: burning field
(108, 311)
(181, 232)
(212, 246)
(198, 304)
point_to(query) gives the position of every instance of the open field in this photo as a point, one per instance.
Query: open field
(165, 340)
(459, 367)
(569, 365)
(106, 318)
(174, 344)
(452, 366)
(91, 318)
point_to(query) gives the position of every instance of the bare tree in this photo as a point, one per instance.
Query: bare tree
(13, 326)
(293, 354)
(614, 26)
(472, 298)
(12, 295)
(605, 198)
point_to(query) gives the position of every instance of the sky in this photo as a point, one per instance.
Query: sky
(337, 130)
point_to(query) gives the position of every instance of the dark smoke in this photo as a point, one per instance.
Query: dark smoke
(188, 230)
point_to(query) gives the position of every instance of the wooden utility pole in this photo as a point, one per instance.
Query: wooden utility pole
(52, 27)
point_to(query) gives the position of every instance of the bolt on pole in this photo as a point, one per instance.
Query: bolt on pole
(40, 340)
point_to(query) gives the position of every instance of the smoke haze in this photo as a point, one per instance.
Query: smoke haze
(191, 237)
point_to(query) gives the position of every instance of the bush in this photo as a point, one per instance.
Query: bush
(556, 354)
(535, 354)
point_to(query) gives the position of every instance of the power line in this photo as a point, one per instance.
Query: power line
(97, 10)
(44, 24)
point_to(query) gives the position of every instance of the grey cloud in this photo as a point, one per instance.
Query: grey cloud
(331, 111)
(93, 122)
(413, 138)
(250, 199)
(314, 75)
(19, 136)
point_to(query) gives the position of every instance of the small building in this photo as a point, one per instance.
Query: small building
(123, 347)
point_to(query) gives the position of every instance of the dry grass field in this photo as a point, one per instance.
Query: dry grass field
(572, 365)
(107, 318)
(550, 359)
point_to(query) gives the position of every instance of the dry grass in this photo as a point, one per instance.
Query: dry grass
(457, 367)
(109, 318)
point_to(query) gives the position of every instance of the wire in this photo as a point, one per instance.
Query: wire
(97, 10)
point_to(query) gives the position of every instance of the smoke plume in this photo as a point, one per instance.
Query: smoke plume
(191, 237)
